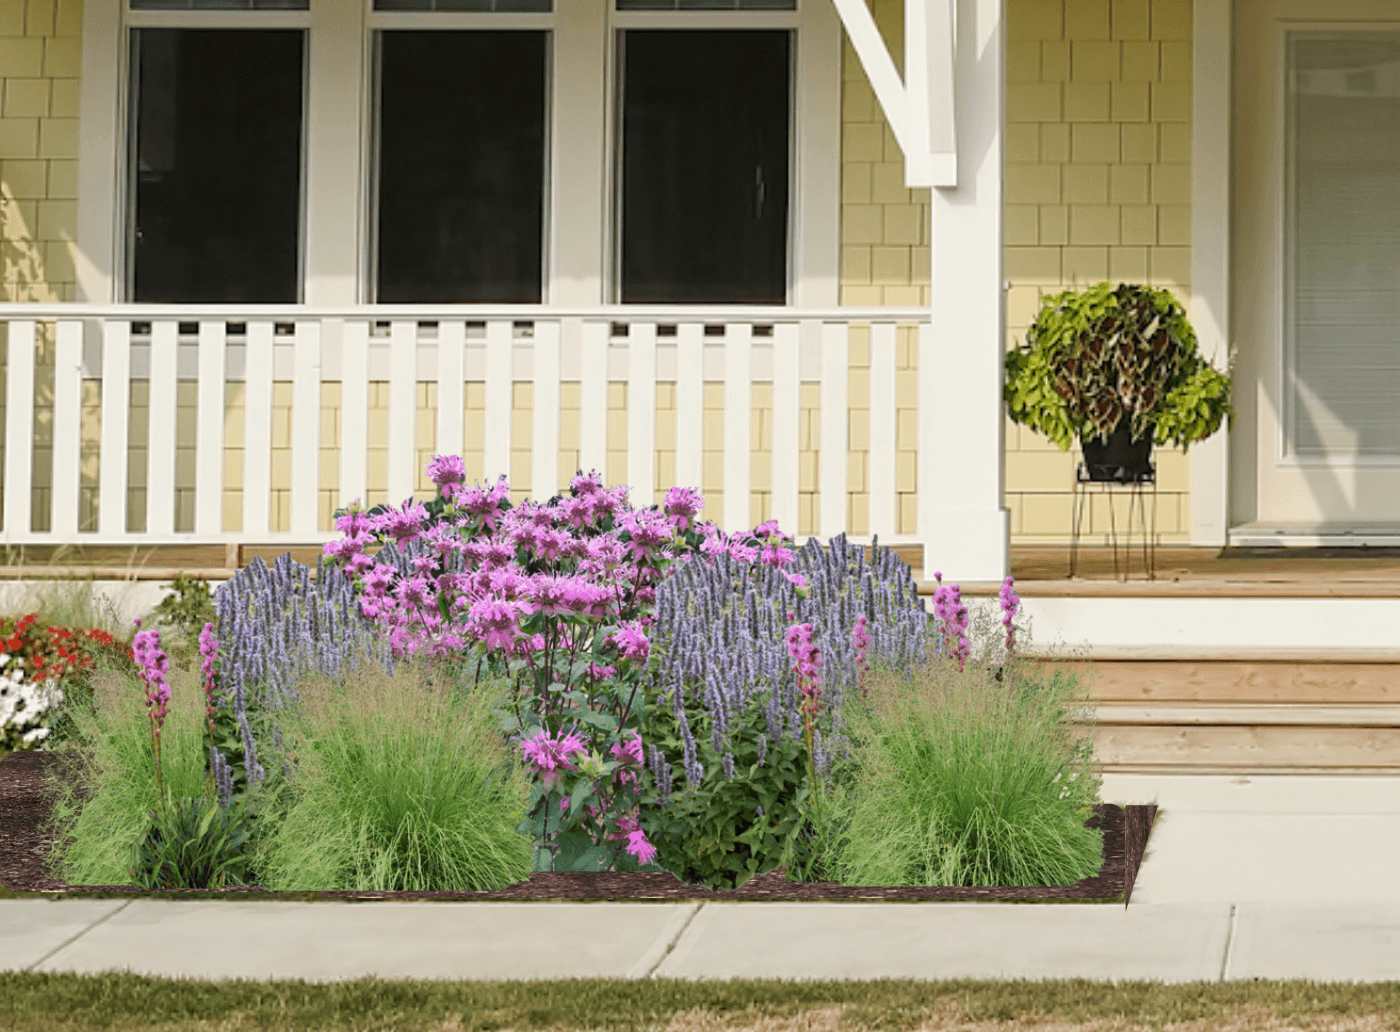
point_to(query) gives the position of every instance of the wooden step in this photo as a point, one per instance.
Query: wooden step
(1202, 742)
(1235, 717)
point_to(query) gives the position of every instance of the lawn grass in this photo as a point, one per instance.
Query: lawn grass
(133, 1003)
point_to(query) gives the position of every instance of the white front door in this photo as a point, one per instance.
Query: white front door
(1316, 263)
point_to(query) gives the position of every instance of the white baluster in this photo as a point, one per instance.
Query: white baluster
(67, 430)
(354, 413)
(881, 457)
(738, 417)
(403, 414)
(161, 432)
(19, 429)
(544, 460)
(306, 429)
(451, 372)
(500, 400)
(593, 400)
(835, 416)
(785, 475)
(257, 433)
(641, 414)
(209, 429)
(690, 409)
(116, 423)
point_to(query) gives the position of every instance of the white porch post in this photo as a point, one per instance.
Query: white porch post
(1213, 33)
(962, 517)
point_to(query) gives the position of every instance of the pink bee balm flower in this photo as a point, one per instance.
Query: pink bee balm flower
(637, 843)
(446, 469)
(632, 643)
(683, 503)
(549, 754)
(405, 525)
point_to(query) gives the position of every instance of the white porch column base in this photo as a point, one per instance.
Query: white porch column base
(967, 545)
(962, 517)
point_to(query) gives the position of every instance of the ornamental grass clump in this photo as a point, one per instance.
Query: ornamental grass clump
(273, 626)
(404, 783)
(965, 775)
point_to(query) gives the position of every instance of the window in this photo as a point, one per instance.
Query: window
(704, 166)
(215, 180)
(461, 167)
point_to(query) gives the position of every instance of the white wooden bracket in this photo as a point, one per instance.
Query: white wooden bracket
(921, 108)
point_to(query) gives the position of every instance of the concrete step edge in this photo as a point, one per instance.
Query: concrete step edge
(1188, 653)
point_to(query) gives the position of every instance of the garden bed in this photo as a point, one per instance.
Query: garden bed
(25, 846)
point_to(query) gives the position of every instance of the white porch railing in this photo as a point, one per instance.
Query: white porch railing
(447, 345)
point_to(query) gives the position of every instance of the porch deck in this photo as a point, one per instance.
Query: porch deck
(1040, 570)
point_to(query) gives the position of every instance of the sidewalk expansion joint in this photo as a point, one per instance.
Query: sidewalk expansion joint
(74, 938)
(1229, 940)
(675, 939)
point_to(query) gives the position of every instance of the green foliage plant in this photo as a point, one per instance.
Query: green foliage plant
(1096, 356)
(964, 778)
(193, 843)
(726, 830)
(403, 781)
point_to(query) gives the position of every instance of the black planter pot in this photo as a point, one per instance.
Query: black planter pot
(1119, 460)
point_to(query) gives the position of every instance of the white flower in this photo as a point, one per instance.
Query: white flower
(23, 705)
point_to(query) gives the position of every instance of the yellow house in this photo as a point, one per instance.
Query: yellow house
(261, 257)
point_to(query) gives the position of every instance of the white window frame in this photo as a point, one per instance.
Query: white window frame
(338, 145)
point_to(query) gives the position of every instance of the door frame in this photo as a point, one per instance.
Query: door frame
(1268, 484)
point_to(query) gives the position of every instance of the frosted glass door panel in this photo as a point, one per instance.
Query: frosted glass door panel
(1343, 365)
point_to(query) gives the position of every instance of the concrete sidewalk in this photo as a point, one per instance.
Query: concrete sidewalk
(1273, 876)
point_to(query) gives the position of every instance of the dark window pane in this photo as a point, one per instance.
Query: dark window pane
(461, 178)
(217, 183)
(705, 167)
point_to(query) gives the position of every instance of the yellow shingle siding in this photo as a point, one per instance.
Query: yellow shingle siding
(40, 49)
(1098, 186)
(884, 225)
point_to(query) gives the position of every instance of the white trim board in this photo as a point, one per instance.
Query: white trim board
(1164, 627)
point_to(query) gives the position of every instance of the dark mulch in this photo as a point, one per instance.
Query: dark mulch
(25, 845)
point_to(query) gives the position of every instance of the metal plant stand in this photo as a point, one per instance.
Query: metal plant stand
(1106, 487)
